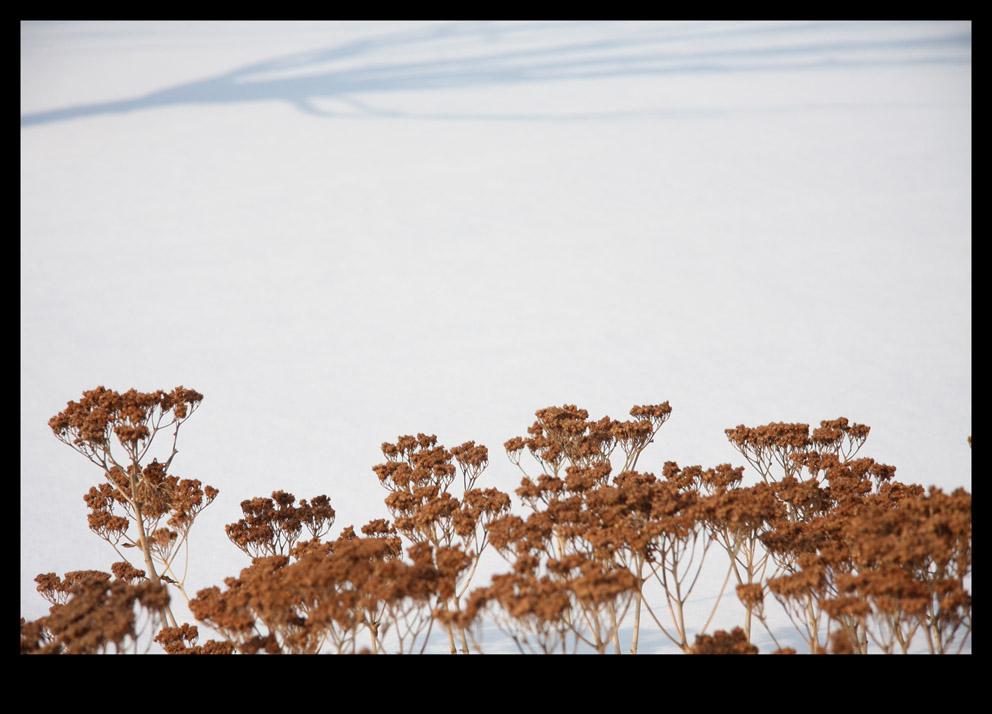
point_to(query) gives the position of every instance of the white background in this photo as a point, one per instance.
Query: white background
(344, 232)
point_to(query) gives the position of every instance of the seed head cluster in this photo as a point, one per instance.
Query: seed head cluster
(596, 549)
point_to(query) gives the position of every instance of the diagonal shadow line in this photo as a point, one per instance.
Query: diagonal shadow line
(551, 62)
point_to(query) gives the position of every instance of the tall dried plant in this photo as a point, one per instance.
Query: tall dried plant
(856, 560)
(115, 432)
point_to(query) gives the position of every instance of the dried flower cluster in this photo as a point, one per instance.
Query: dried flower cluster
(418, 473)
(859, 557)
(272, 526)
(857, 561)
(601, 538)
(721, 642)
(92, 613)
(140, 505)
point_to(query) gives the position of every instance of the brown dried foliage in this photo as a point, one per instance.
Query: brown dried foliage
(418, 473)
(140, 505)
(91, 613)
(857, 551)
(722, 642)
(272, 526)
(852, 556)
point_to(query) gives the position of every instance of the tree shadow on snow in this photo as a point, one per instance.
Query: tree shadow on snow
(495, 54)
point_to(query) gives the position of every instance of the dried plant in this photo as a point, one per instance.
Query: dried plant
(856, 560)
(418, 473)
(856, 550)
(680, 537)
(633, 524)
(722, 642)
(912, 566)
(182, 640)
(115, 432)
(738, 517)
(272, 526)
(530, 610)
(331, 593)
(93, 613)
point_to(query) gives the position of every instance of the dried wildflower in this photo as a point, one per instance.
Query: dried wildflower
(851, 555)
(182, 640)
(657, 414)
(92, 614)
(418, 473)
(752, 595)
(777, 444)
(272, 526)
(840, 643)
(841, 437)
(532, 611)
(472, 459)
(722, 642)
(160, 506)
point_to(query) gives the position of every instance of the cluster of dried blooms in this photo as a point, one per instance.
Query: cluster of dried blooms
(722, 642)
(139, 507)
(859, 558)
(272, 526)
(856, 560)
(418, 474)
(601, 539)
(94, 612)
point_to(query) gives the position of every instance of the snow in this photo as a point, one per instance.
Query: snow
(341, 232)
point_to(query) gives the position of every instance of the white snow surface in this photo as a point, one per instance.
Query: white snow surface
(341, 232)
